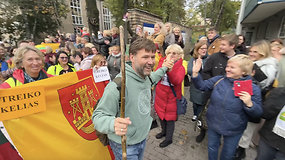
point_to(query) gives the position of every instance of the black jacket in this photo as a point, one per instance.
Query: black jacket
(273, 105)
(215, 65)
(104, 48)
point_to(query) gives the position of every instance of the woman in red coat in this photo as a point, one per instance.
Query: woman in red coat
(165, 101)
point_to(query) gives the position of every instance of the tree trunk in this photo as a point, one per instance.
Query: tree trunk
(220, 15)
(214, 11)
(93, 16)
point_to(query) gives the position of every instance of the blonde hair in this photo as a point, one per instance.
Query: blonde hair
(197, 47)
(20, 53)
(176, 28)
(175, 48)
(162, 28)
(170, 27)
(115, 30)
(231, 38)
(263, 48)
(96, 59)
(107, 32)
(244, 62)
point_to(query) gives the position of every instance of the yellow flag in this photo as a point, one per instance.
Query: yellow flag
(65, 129)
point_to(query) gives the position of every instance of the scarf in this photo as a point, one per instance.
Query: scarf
(29, 79)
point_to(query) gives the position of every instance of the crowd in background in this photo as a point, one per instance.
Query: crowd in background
(217, 61)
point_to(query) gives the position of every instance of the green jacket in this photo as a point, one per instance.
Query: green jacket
(55, 69)
(137, 106)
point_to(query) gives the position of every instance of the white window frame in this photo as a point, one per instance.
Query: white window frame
(78, 19)
(282, 28)
(106, 19)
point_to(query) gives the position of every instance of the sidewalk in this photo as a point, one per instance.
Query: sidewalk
(184, 145)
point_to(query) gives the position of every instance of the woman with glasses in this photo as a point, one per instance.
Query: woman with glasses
(197, 97)
(62, 66)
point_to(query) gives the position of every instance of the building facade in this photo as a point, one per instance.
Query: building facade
(263, 19)
(77, 17)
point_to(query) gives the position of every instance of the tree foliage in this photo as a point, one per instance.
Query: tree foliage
(221, 13)
(33, 17)
(169, 10)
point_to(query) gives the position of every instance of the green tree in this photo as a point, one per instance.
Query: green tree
(36, 17)
(222, 13)
(218, 13)
(169, 10)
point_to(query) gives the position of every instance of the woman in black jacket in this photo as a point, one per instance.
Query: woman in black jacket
(271, 145)
(104, 43)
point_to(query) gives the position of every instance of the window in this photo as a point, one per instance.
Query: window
(106, 19)
(75, 6)
(282, 29)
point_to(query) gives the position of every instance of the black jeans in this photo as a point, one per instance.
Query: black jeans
(167, 129)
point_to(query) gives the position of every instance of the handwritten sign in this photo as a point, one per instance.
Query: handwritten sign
(101, 74)
(15, 102)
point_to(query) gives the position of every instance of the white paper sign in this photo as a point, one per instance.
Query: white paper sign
(101, 74)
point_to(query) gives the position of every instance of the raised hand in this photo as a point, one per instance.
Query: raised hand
(168, 62)
(197, 64)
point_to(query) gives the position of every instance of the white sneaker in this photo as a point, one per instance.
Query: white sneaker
(194, 118)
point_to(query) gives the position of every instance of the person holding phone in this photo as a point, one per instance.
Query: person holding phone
(265, 71)
(227, 115)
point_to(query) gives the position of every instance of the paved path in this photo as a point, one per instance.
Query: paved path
(184, 145)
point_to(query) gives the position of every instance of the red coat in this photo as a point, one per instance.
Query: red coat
(165, 101)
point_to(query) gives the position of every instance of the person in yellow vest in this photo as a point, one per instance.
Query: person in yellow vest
(29, 63)
(62, 66)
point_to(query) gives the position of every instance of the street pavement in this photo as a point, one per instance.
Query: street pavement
(184, 145)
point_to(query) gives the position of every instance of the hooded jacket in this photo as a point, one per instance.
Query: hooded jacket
(227, 114)
(137, 106)
(269, 67)
(165, 101)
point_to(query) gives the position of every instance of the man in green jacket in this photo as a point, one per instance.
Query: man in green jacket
(139, 81)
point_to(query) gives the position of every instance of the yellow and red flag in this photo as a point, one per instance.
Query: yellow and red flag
(42, 46)
(64, 130)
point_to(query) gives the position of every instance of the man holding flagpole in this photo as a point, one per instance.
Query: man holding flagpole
(139, 81)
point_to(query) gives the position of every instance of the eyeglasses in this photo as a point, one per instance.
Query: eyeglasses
(63, 58)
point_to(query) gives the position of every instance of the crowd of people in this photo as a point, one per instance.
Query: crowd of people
(155, 77)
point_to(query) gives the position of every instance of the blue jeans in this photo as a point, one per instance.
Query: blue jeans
(197, 108)
(266, 152)
(134, 152)
(229, 147)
